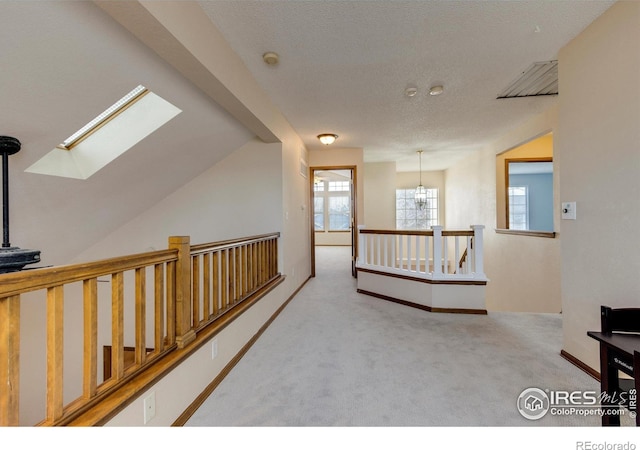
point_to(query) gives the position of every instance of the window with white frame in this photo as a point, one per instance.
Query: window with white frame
(518, 208)
(332, 205)
(409, 216)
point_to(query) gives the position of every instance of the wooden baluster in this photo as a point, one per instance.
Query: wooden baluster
(250, 269)
(274, 258)
(238, 276)
(206, 281)
(262, 259)
(232, 276)
(171, 302)
(255, 259)
(216, 283)
(409, 253)
(141, 316)
(195, 290)
(158, 307)
(90, 350)
(245, 270)
(10, 361)
(55, 357)
(401, 248)
(117, 326)
(223, 279)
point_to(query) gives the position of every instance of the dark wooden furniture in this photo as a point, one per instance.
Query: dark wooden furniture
(619, 340)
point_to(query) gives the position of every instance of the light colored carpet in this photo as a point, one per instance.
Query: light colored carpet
(338, 358)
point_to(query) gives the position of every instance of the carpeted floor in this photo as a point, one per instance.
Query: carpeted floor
(338, 358)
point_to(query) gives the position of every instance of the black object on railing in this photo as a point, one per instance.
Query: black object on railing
(12, 259)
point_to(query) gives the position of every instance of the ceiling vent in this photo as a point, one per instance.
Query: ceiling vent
(540, 78)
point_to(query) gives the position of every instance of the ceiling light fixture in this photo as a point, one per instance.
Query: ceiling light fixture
(327, 138)
(421, 192)
(436, 90)
(271, 58)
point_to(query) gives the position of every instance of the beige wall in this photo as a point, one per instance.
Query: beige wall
(380, 196)
(523, 271)
(598, 147)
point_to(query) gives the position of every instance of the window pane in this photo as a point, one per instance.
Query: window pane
(339, 213)
(408, 216)
(318, 213)
(338, 186)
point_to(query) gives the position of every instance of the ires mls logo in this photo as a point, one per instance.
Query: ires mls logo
(535, 403)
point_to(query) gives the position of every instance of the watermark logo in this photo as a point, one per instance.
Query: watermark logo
(534, 403)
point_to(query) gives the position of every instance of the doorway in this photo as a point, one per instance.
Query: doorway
(333, 216)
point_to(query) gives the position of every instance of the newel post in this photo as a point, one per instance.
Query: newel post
(478, 249)
(184, 332)
(363, 245)
(437, 249)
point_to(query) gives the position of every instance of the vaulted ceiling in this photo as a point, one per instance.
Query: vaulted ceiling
(344, 67)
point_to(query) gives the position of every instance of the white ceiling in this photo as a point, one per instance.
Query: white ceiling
(344, 67)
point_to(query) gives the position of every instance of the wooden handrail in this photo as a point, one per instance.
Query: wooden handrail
(417, 232)
(192, 287)
(16, 283)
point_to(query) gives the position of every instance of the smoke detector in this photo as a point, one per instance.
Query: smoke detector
(411, 91)
(271, 58)
(436, 90)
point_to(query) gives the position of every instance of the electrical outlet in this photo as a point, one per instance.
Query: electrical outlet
(214, 349)
(149, 407)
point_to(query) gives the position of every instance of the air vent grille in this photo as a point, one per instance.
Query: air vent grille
(541, 78)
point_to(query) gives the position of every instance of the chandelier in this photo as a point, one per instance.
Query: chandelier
(421, 192)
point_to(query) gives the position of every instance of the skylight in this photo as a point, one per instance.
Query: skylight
(120, 127)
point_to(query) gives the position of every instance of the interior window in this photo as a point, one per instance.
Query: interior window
(530, 194)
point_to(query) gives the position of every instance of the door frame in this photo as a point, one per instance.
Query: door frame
(354, 214)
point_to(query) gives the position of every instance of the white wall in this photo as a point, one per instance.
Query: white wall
(599, 155)
(523, 271)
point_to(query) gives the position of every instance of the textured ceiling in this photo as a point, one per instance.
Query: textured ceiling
(344, 67)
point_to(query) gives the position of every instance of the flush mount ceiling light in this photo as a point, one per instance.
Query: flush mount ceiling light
(271, 58)
(327, 138)
(436, 90)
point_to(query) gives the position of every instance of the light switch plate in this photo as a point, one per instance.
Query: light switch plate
(569, 210)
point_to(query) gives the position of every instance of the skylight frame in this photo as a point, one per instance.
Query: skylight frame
(125, 102)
